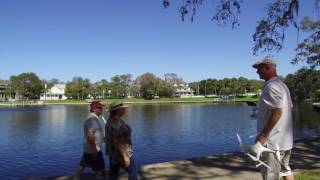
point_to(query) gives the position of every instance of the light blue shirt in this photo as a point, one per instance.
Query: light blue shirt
(93, 123)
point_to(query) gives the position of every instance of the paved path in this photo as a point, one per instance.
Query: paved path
(234, 166)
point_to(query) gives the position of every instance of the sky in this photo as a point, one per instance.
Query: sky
(98, 39)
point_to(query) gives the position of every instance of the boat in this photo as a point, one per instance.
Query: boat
(316, 106)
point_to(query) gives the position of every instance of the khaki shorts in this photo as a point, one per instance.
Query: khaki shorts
(277, 168)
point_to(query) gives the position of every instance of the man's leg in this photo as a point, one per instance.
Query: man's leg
(274, 171)
(286, 172)
(79, 172)
(132, 170)
(83, 164)
(98, 165)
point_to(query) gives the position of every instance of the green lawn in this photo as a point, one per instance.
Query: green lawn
(140, 101)
(308, 175)
(171, 100)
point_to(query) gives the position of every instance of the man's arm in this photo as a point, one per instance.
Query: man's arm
(91, 140)
(274, 118)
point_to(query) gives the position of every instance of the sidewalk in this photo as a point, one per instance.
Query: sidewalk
(235, 166)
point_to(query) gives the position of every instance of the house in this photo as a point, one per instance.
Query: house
(56, 92)
(3, 86)
(183, 90)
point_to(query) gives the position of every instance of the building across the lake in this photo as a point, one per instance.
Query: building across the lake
(183, 90)
(56, 92)
(3, 85)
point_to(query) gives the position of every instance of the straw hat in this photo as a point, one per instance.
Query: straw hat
(115, 106)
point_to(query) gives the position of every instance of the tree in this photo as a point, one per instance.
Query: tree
(172, 78)
(26, 85)
(78, 88)
(149, 85)
(116, 86)
(51, 82)
(226, 86)
(165, 89)
(101, 88)
(304, 84)
(126, 82)
(270, 31)
(309, 49)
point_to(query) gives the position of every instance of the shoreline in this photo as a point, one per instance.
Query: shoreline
(234, 165)
(129, 102)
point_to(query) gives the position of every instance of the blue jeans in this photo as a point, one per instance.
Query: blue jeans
(114, 170)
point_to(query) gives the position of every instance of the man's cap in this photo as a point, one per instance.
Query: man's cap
(115, 106)
(96, 104)
(265, 61)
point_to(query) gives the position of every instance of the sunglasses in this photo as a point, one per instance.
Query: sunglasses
(260, 68)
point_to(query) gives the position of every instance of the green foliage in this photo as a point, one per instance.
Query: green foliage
(270, 31)
(78, 88)
(100, 89)
(26, 85)
(226, 86)
(309, 49)
(149, 85)
(269, 34)
(304, 84)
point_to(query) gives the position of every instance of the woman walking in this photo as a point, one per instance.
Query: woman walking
(118, 143)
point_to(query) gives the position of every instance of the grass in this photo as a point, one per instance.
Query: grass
(308, 175)
(142, 101)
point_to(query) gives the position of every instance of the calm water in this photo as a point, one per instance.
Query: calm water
(48, 141)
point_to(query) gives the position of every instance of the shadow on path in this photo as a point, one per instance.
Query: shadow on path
(305, 156)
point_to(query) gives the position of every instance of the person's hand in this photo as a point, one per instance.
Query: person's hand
(261, 138)
(126, 162)
(95, 154)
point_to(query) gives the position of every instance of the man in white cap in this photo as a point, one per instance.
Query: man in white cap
(274, 121)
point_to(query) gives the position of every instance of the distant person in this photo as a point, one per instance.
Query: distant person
(274, 121)
(93, 139)
(118, 143)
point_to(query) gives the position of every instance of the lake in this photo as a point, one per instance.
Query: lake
(41, 142)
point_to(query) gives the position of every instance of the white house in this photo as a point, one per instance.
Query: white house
(183, 90)
(56, 92)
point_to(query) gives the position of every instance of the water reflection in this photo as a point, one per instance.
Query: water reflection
(306, 121)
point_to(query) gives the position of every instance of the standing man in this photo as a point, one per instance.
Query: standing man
(93, 139)
(274, 121)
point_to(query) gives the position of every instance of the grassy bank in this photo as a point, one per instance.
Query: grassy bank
(160, 100)
(135, 101)
(308, 175)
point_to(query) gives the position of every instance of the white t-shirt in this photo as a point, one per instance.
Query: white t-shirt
(275, 94)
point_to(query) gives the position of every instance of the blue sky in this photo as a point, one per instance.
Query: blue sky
(98, 39)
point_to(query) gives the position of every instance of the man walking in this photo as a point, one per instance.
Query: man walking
(274, 121)
(93, 138)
